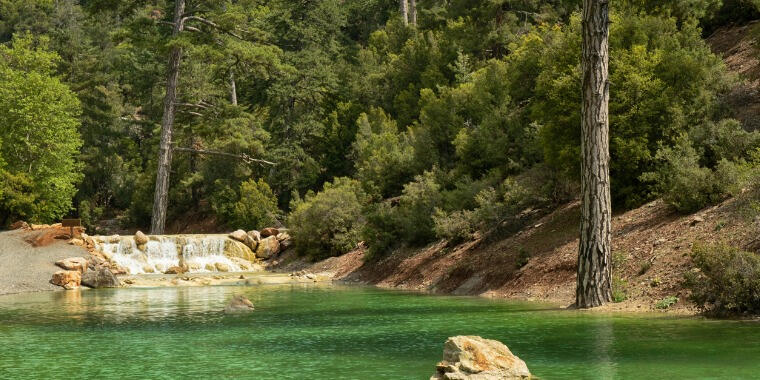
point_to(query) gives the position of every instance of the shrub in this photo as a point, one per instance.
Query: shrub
(523, 257)
(456, 226)
(256, 206)
(683, 183)
(410, 221)
(328, 223)
(666, 302)
(725, 280)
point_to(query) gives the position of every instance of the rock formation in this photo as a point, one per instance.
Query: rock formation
(268, 247)
(69, 279)
(73, 263)
(472, 357)
(101, 277)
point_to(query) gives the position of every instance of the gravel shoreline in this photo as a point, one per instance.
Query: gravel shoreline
(24, 268)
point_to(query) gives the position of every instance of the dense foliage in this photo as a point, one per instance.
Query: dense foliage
(725, 279)
(392, 134)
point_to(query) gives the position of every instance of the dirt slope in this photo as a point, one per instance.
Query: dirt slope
(651, 247)
(739, 49)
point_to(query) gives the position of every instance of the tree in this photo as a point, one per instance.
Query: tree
(161, 197)
(39, 142)
(594, 264)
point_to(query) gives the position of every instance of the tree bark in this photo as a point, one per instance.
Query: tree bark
(404, 12)
(233, 89)
(594, 266)
(413, 12)
(161, 196)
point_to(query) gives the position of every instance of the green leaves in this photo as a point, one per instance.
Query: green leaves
(39, 140)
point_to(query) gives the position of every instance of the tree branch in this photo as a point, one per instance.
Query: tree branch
(246, 158)
(211, 24)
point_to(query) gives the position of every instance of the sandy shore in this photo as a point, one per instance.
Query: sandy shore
(24, 268)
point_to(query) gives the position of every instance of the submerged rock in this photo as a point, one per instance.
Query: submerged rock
(268, 247)
(100, 278)
(472, 357)
(239, 304)
(73, 263)
(69, 279)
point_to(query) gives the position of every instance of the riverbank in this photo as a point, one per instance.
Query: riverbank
(651, 253)
(25, 268)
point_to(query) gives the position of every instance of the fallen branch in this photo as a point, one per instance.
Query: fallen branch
(246, 158)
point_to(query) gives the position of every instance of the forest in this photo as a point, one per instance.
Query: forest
(353, 120)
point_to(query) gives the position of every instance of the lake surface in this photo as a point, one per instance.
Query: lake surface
(341, 332)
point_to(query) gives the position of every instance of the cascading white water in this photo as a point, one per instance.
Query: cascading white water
(201, 253)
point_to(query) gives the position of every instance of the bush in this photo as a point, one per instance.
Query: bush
(666, 302)
(328, 223)
(257, 206)
(686, 185)
(410, 221)
(456, 226)
(725, 280)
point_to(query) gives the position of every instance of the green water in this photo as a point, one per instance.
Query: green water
(334, 332)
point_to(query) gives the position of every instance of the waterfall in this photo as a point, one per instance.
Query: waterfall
(200, 253)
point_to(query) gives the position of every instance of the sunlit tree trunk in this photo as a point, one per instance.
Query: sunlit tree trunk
(233, 89)
(413, 12)
(594, 278)
(161, 196)
(404, 11)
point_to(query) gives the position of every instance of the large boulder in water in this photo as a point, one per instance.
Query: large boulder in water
(239, 304)
(69, 279)
(472, 357)
(268, 247)
(73, 263)
(100, 278)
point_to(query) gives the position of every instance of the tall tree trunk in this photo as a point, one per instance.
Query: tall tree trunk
(404, 12)
(161, 196)
(413, 12)
(233, 89)
(594, 266)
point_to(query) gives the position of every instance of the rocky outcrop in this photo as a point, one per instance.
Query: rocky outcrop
(239, 235)
(269, 231)
(69, 279)
(73, 263)
(268, 247)
(239, 304)
(20, 225)
(472, 357)
(100, 278)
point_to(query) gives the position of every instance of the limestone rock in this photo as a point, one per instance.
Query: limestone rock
(141, 238)
(255, 235)
(234, 248)
(252, 241)
(222, 267)
(239, 304)
(283, 236)
(73, 263)
(472, 357)
(69, 279)
(269, 231)
(268, 247)
(100, 278)
(20, 225)
(175, 270)
(239, 235)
